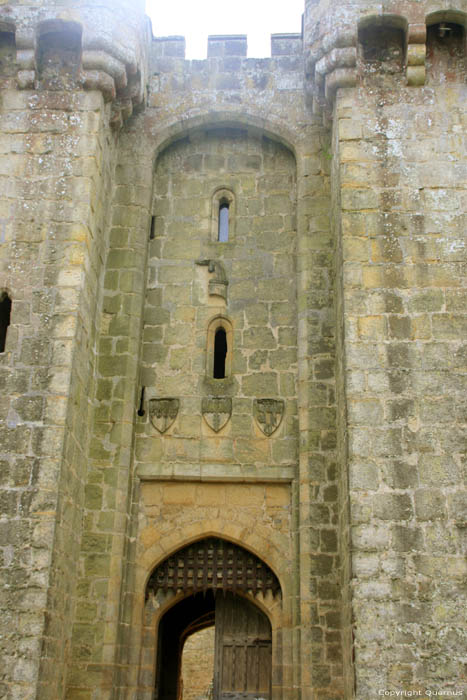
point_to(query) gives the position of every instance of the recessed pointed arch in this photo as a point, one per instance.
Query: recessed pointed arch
(272, 128)
(259, 542)
(451, 14)
(213, 563)
(243, 640)
(214, 582)
(270, 547)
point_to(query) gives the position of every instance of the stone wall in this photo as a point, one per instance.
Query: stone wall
(402, 221)
(404, 266)
(182, 300)
(198, 665)
(51, 273)
(58, 160)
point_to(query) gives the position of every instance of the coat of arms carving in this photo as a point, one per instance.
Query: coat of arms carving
(268, 414)
(216, 412)
(163, 412)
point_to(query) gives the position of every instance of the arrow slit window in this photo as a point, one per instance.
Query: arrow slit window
(5, 313)
(219, 348)
(223, 228)
(220, 352)
(223, 216)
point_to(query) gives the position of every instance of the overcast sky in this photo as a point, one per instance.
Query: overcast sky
(195, 19)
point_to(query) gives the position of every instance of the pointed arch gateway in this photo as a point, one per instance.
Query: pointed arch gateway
(216, 583)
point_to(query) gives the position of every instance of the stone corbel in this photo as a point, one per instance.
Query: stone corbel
(218, 283)
(416, 54)
(99, 80)
(26, 58)
(332, 65)
(114, 70)
(102, 62)
(337, 69)
(105, 66)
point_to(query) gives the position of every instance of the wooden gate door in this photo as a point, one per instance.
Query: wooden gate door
(243, 656)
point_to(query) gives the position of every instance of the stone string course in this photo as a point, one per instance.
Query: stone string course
(344, 156)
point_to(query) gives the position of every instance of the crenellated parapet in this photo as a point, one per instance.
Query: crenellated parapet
(89, 46)
(344, 44)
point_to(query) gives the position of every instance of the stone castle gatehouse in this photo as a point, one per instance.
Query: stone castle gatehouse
(233, 354)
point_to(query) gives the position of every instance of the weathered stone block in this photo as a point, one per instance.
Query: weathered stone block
(430, 504)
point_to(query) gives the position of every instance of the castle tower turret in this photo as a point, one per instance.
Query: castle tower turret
(71, 73)
(331, 40)
(383, 74)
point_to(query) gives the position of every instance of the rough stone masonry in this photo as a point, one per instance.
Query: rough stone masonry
(233, 335)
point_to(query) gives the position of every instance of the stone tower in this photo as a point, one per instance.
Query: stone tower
(232, 354)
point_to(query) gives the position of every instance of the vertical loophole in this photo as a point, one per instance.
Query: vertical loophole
(152, 230)
(223, 231)
(141, 411)
(5, 312)
(220, 353)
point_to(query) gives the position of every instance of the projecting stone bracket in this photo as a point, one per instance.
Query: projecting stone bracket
(116, 73)
(98, 63)
(332, 64)
(337, 69)
(416, 54)
(218, 283)
(333, 61)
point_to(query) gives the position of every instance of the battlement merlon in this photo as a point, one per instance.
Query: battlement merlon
(227, 46)
(113, 38)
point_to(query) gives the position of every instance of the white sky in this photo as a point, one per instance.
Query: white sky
(195, 19)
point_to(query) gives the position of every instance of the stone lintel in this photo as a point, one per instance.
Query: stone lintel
(212, 473)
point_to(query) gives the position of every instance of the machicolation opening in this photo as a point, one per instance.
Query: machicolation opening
(8, 67)
(59, 55)
(381, 52)
(446, 53)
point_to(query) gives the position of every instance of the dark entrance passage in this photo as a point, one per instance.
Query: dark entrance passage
(219, 580)
(242, 658)
(193, 613)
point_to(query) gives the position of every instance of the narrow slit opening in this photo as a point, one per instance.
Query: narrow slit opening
(220, 353)
(223, 231)
(152, 230)
(5, 313)
(141, 411)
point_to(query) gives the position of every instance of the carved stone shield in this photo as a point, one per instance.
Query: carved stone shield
(216, 412)
(268, 414)
(163, 412)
